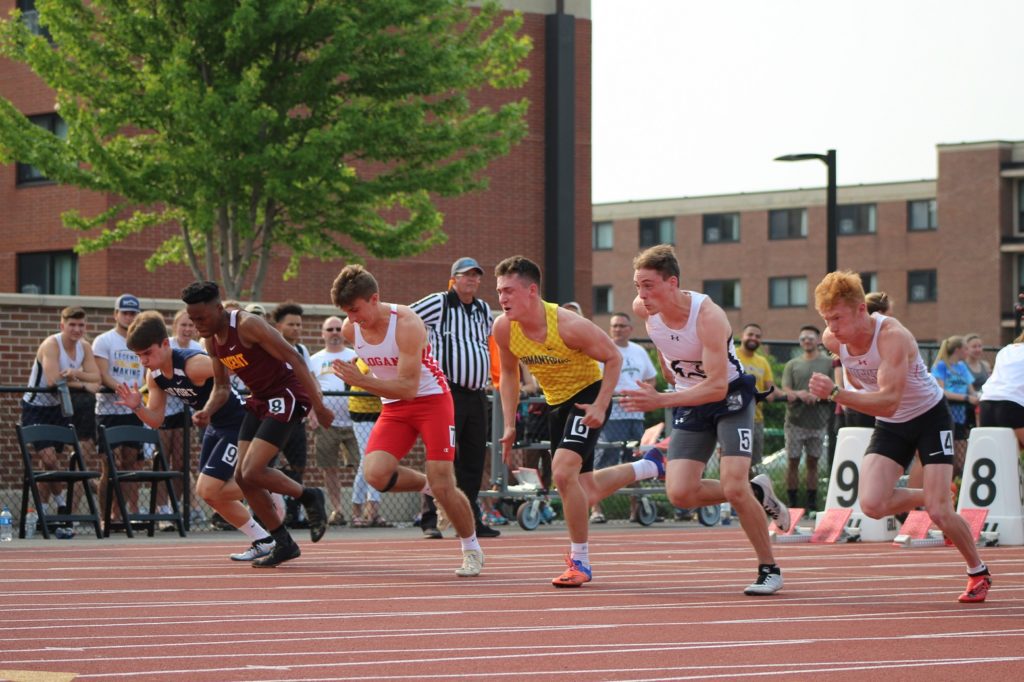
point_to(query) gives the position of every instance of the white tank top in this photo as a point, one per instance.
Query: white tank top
(382, 359)
(1007, 379)
(921, 392)
(684, 351)
(37, 377)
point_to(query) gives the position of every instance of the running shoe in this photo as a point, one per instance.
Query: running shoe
(977, 588)
(597, 517)
(259, 548)
(769, 581)
(655, 455)
(773, 506)
(472, 563)
(316, 512)
(575, 575)
(278, 555)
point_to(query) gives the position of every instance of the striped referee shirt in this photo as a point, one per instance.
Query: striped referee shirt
(458, 336)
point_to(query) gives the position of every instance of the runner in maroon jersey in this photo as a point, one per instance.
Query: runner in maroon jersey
(282, 392)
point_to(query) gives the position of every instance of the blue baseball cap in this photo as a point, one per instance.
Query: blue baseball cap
(127, 302)
(464, 265)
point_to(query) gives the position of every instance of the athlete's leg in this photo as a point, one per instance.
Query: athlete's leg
(878, 493)
(736, 488)
(685, 487)
(939, 504)
(380, 467)
(226, 499)
(565, 472)
(257, 479)
(441, 476)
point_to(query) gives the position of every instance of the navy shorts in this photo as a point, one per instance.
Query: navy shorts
(930, 434)
(567, 431)
(219, 453)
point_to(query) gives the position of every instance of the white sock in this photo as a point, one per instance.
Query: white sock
(426, 489)
(279, 506)
(59, 499)
(644, 468)
(164, 509)
(253, 530)
(580, 551)
(470, 543)
(977, 569)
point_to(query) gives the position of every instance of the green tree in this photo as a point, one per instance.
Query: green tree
(325, 128)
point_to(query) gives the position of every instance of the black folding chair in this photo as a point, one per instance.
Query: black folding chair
(137, 436)
(47, 434)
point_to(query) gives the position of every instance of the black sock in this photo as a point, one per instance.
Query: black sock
(281, 535)
(307, 496)
(812, 498)
(768, 568)
(793, 502)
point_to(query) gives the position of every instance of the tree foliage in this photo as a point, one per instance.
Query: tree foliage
(325, 128)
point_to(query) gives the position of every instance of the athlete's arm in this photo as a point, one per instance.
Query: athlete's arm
(220, 393)
(508, 387)
(895, 346)
(255, 331)
(583, 335)
(199, 369)
(152, 414)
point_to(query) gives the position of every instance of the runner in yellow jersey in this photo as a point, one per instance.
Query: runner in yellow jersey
(562, 350)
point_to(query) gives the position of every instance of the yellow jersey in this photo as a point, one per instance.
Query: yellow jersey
(561, 371)
(757, 365)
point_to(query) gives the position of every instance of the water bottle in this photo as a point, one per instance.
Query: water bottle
(66, 408)
(726, 509)
(6, 525)
(31, 519)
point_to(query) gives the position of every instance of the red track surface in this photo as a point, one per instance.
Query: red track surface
(666, 603)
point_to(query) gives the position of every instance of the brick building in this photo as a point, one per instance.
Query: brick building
(949, 252)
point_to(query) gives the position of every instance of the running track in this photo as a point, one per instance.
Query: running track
(666, 604)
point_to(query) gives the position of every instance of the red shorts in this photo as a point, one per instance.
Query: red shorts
(430, 417)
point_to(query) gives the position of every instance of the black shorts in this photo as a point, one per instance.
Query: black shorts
(174, 421)
(566, 429)
(110, 420)
(1002, 413)
(84, 417)
(51, 415)
(269, 429)
(930, 434)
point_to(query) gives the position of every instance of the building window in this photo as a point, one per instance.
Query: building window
(787, 223)
(53, 123)
(654, 231)
(30, 17)
(1020, 207)
(603, 300)
(603, 236)
(48, 272)
(869, 280)
(856, 218)
(787, 292)
(921, 215)
(721, 227)
(724, 292)
(922, 286)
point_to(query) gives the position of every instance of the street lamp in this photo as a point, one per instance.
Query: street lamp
(829, 159)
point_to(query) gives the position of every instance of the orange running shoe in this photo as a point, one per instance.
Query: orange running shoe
(977, 588)
(574, 576)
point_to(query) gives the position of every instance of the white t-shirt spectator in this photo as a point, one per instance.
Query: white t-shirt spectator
(320, 366)
(636, 368)
(123, 365)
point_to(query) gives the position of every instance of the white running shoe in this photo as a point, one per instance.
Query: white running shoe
(773, 506)
(472, 563)
(769, 581)
(257, 549)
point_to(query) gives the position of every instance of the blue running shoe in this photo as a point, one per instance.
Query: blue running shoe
(655, 455)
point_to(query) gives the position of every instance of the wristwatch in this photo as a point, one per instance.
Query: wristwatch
(833, 393)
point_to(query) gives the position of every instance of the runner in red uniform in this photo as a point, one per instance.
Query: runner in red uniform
(282, 391)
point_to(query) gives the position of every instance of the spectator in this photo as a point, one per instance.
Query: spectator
(806, 416)
(258, 310)
(365, 498)
(1002, 397)
(459, 326)
(287, 319)
(980, 370)
(118, 365)
(337, 437)
(953, 376)
(60, 357)
(573, 306)
(623, 426)
(757, 365)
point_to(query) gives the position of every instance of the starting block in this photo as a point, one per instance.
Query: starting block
(916, 532)
(831, 525)
(793, 534)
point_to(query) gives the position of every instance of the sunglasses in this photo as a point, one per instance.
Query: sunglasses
(808, 338)
(332, 329)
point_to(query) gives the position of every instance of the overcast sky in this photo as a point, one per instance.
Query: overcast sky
(696, 97)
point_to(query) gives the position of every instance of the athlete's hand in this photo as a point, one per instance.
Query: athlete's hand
(347, 372)
(643, 398)
(201, 419)
(593, 415)
(508, 439)
(323, 414)
(129, 396)
(820, 386)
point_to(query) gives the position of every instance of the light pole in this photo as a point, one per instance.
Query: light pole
(829, 159)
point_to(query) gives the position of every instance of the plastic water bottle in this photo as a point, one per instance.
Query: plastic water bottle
(31, 519)
(6, 525)
(726, 509)
(66, 408)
